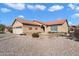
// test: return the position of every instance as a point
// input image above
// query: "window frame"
(19, 27)
(30, 28)
(54, 28)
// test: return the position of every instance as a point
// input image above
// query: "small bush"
(10, 31)
(49, 32)
(35, 35)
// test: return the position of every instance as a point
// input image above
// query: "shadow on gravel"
(2, 32)
(77, 40)
(74, 39)
(74, 36)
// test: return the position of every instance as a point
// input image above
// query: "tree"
(10, 29)
(2, 27)
(43, 27)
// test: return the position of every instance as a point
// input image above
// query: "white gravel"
(43, 46)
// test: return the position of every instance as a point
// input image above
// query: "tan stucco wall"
(48, 28)
(17, 24)
(26, 29)
(61, 28)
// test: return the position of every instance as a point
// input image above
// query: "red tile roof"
(26, 21)
(56, 22)
(38, 22)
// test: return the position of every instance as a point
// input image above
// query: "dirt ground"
(17, 45)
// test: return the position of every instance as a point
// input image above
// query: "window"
(17, 27)
(54, 28)
(30, 28)
(36, 28)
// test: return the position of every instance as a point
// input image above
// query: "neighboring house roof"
(56, 22)
(73, 27)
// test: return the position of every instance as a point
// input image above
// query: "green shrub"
(2, 27)
(49, 32)
(10, 30)
(35, 35)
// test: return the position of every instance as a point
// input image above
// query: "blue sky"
(39, 11)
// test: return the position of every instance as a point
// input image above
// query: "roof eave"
(54, 24)
(30, 24)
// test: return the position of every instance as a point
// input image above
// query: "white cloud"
(18, 6)
(40, 7)
(30, 6)
(55, 8)
(72, 6)
(21, 16)
(36, 7)
(77, 8)
(75, 15)
(5, 10)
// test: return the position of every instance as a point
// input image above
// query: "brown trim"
(13, 22)
(31, 24)
(68, 25)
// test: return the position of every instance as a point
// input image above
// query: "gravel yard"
(27, 46)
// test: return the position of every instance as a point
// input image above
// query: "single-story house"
(21, 26)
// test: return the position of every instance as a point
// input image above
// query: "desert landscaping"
(21, 45)
(39, 29)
